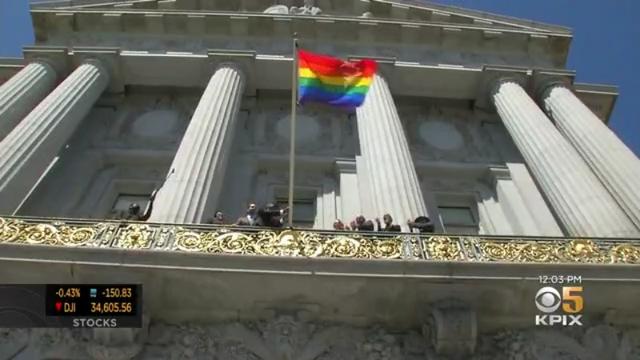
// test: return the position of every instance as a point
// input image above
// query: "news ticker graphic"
(71, 305)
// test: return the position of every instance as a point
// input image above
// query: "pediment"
(401, 10)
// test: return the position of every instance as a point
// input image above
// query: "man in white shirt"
(250, 218)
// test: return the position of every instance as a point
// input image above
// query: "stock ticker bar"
(71, 305)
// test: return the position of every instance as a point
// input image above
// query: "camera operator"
(272, 215)
(422, 223)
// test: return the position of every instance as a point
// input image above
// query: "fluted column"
(615, 165)
(195, 179)
(29, 148)
(392, 175)
(22, 92)
(582, 204)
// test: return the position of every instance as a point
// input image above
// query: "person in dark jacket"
(362, 224)
(134, 209)
(422, 223)
(272, 215)
(388, 224)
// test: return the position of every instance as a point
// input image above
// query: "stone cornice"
(483, 17)
(335, 28)
(599, 98)
(325, 18)
(395, 9)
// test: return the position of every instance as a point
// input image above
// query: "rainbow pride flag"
(332, 81)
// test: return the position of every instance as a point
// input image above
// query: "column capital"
(107, 58)
(386, 65)
(493, 77)
(241, 60)
(544, 80)
(241, 69)
(54, 56)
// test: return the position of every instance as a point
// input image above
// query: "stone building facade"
(472, 120)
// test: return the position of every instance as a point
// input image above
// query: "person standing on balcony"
(218, 218)
(250, 218)
(272, 215)
(362, 224)
(422, 223)
(388, 224)
(339, 225)
(134, 209)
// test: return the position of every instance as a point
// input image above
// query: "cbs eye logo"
(548, 300)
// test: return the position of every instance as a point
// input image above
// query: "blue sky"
(605, 48)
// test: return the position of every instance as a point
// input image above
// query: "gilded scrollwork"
(312, 244)
(134, 236)
(287, 243)
(625, 253)
(581, 250)
(443, 248)
(9, 230)
(557, 251)
(54, 233)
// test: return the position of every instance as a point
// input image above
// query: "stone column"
(22, 92)
(197, 172)
(392, 176)
(615, 165)
(27, 151)
(582, 204)
(348, 205)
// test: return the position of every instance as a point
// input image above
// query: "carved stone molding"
(453, 330)
(313, 132)
(116, 344)
(585, 343)
(290, 336)
(448, 134)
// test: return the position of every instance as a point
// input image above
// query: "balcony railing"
(214, 239)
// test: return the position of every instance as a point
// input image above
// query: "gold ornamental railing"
(215, 239)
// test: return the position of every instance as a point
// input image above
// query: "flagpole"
(294, 100)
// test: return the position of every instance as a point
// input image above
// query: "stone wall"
(127, 142)
(289, 337)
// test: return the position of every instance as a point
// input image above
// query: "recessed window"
(458, 219)
(120, 208)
